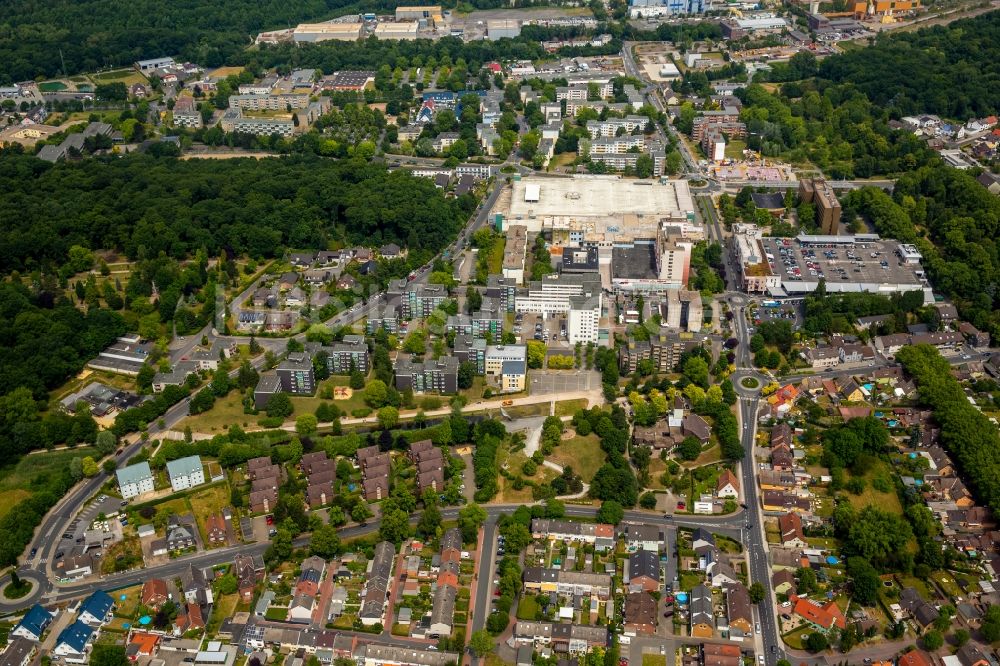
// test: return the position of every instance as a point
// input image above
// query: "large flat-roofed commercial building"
(416, 13)
(234, 121)
(321, 32)
(819, 192)
(598, 210)
(855, 263)
(562, 294)
(398, 30)
(652, 264)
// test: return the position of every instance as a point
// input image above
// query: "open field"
(225, 412)
(126, 76)
(15, 480)
(735, 148)
(886, 501)
(570, 407)
(583, 454)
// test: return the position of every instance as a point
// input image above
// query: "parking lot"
(543, 383)
(534, 327)
(72, 540)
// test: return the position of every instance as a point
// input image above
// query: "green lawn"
(583, 454)
(15, 479)
(796, 639)
(886, 501)
(690, 580)
(654, 660)
(735, 148)
(527, 608)
(570, 407)
(496, 257)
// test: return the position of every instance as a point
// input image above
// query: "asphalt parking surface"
(543, 383)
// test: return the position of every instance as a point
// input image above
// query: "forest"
(142, 206)
(35, 39)
(954, 222)
(952, 71)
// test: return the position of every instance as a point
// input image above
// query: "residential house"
(716, 654)
(820, 616)
(262, 501)
(301, 608)
(722, 574)
(179, 534)
(154, 593)
(196, 584)
(728, 485)
(702, 615)
(640, 614)
(790, 528)
(73, 643)
(701, 539)
(33, 624)
(738, 609)
(185, 473)
(96, 609)
(20, 652)
(922, 612)
(249, 570)
(642, 537)
(215, 527)
(643, 573)
(774, 500)
(189, 618)
(915, 657)
(783, 582)
(311, 576)
(377, 584)
(971, 654)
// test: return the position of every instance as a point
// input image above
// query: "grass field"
(570, 407)
(735, 148)
(583, 454)
(886, 501)
(15, 480)
(126, 607)
(226, 605)
(562, 159)
(126, 76)
(654, 659)
(224, 413)
(527, 608)
(207, 502)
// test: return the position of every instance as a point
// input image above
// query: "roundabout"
(33, 584)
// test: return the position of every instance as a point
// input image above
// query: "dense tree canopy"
(966, 433)
(144, 206)
(948, 70)
(954, 222)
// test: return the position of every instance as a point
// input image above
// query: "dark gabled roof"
(644, 563)
(76, 636)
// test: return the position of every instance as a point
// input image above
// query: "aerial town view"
(527, 333)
